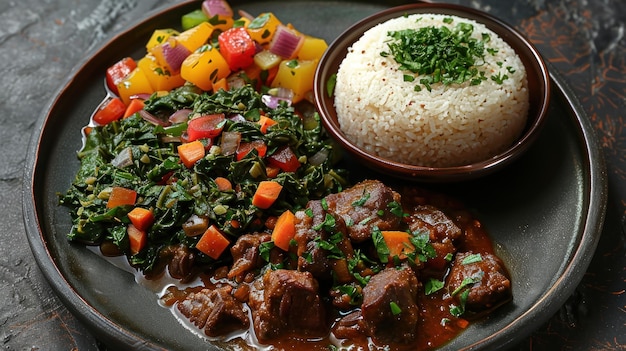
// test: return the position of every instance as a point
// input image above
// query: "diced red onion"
(237, 118)
(140, 96)
(230, 142)
(235, 82)
(123, 159)
(216, 7)
(174, 54)
(180, 116)
(150, 118)
(245, 14)
(282, 92)
(273, 101)
(286, 42)
(319, 157)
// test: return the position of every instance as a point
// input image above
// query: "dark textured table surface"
(42, 41)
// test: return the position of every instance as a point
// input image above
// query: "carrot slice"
(137, 239)
(266, 194)
(121, 196)
(398, 243)
(191, 152)
(141, 218)
(212, 242)
(223, 184)
(284, 230)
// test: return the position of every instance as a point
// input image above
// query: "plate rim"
(113, 334)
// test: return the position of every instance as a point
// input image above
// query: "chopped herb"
(457, 311)
(473, 258)
(380, 213)
(432, 285)
(396, 208)
(264, 250)
(329, 223)
(510, 69)
(260, 21)
(492, 51)
(448, 257)
(381, 247)
(309, 212)
(468, 281)
(292, 63)
(499, 78)
(324, 204)
(395, 309)
(448, 20)
(362, 200)
(408, 78)
(438, 54)
(330, 84)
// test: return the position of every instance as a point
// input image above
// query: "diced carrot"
(284, 230)
(266, 194)
(272, 172)
(137, 239)
(191, 152)
(462, 323)
(398, 243)
(223, 184)
(245, 148)
(221, 84)
(135, 106)
(212, 242)
(111, 110)
(141, 218)
(234, 223)
(265, 122)
(121, 196)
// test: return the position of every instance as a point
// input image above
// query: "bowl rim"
(529, 55)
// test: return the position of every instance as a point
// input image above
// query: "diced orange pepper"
(296, 75)
(141, 218)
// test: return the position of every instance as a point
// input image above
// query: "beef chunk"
(245, 254)
(215, 311)
(287, 301)
(348, 326)
(365, 206)
(381, 321)
(311, 257)
(435, 222)
(491, 286)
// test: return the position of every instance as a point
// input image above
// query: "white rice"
(450, 125)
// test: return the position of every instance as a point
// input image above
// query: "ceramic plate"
(544, 212)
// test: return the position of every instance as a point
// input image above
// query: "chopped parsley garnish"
(473, 258)
(439, 54)
(432, 285)
(381, 247)
(362, 200)
(395, 309)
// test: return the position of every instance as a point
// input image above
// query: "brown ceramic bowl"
(538, 85)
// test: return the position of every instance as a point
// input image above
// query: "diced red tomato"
(245, 148)
(118, 72)
(204, 127)
(285, 159)
(111, 110)
(237, 47)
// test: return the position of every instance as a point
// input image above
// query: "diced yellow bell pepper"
(195, 37)
(135, 83)
(263, 27)
(159, 36)
(312, 48)
(160, 78)
(296, 75)
(222, 23)
(204, 67)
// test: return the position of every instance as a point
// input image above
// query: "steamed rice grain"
(450, 125)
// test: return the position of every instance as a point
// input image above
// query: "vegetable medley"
(205, 138)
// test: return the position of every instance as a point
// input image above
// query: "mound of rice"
(450, 125)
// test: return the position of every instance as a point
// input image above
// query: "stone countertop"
(42, 41)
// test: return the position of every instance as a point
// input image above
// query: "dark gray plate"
(544, 212)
